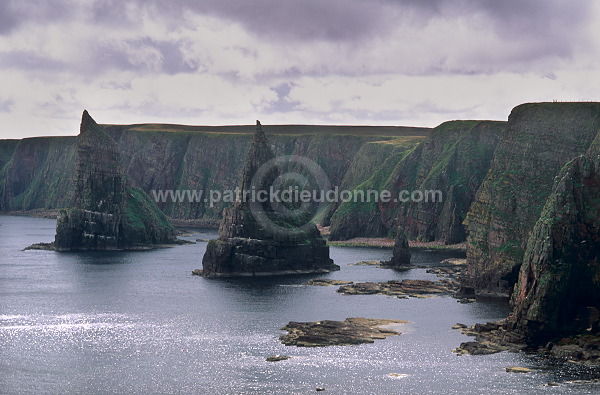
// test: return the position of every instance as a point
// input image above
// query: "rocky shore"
(338, 333)
(493, 337)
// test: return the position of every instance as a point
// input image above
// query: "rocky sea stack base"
(107, 212)
(273, 244)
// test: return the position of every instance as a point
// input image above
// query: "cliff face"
(558, 291)
(38, 173)
(539, 140)
(107, 212)
(453, 160)
(257, 239)
(370, 170)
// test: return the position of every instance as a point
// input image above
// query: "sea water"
(139, 322)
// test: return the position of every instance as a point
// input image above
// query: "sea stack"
(401, 253)
(107, 212)
(260, 238)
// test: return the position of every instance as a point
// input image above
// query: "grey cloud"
(6, 105)
(283, 102)
(13, 13)
(27, 60)
(108, 55)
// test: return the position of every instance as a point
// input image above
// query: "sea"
(139, 322)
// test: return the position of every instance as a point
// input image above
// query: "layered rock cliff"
(539, 140)
(558, 289)
(255, 238)
(38, 173)
(453, 160)
(106, 212)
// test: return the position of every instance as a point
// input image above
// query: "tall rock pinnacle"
(248, 245)
(107, 212)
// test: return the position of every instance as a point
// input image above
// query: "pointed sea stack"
(401, 254)
(256, 240)
(107, 212)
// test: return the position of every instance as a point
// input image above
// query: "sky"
(342, 62)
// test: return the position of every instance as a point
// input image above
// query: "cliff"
(260, 238)
(38, 173)
(453, 160)
(558, 289)
(106, 212)
(539, 140)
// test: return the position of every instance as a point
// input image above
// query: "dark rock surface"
(337, 333)
(493, 337)
(326, 282)
(106, 212)
(277, 358)
(490, 338)
(400, 253)
(402, 288)
(256, 240)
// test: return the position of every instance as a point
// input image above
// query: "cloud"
(415, 62)
(6, 105)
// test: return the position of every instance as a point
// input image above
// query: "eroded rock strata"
(556, 301)
(558, 291)
(337, 333)
(254, 239)
(107, 213)
(405, 287)
(539, 140)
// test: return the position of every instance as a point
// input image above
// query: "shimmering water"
(138, 322)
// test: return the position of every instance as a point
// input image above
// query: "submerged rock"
(277, 358)
(337, 333)
(107, 212)
(518, 369)
(260, 238)
(326, 282)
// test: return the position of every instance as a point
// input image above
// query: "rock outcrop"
(255, 239)
(539, 140)
(338, 333)
(401, 253)
(107, 213)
